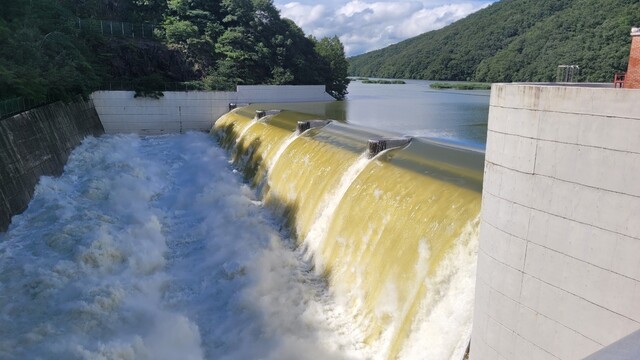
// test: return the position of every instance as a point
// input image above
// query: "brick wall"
(632, 80)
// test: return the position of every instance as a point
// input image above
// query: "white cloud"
(364, 26)
(301, 14)
(430, 19)
(378, 10)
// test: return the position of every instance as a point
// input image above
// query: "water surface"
(152, 248)
(412, 109)
(417, 110)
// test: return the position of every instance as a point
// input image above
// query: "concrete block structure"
(179, 111)
(559, 261)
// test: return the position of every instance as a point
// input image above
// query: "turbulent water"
(395, 234)
(153, 248)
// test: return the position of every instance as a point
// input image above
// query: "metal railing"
(10, 107)
(567, 73)
(117, 28)
(165, 86)
(618, 79)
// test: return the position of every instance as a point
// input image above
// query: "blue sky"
(365, 25)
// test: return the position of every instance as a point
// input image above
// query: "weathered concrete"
(177, 112)
(38, 142)
(558, 266)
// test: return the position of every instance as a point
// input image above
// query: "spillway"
(395, 236)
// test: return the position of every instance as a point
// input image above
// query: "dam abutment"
(37, 143)
(558, 273)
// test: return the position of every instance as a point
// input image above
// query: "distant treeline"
(217, 44)
(514, 40)
(379, 81)
(461, 86)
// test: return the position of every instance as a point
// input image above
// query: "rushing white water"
(152, 248)
(285, 144)
(317, 233)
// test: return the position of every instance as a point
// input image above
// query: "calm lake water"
(412, 109)
(417, 110)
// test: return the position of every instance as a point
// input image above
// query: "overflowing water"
(395, 236)
(153, 248)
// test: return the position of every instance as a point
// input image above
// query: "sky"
(365, 25)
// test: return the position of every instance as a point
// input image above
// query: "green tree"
(332, 52)
(41, 57)
(179, 32)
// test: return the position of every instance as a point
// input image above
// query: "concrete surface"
(179, 111)
(38, 142)
(559, 260)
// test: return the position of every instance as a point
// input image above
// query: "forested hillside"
(515, 40)
(48, 51)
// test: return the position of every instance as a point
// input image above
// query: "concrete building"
(559, 261)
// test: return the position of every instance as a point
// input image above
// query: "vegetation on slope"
(40, 57)
(514, 40)
(217, 44)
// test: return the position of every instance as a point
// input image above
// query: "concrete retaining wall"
(177, 112)
(559, 260)
(38, 142)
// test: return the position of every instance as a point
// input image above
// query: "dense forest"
(50, 51)
(515, 40)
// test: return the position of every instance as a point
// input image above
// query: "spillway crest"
(394, 234)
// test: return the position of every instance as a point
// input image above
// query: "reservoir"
(411, 109)
(415, 109)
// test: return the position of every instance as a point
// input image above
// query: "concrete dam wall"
(181, 111)
(36, 143)
(394, 234)
(558, 269)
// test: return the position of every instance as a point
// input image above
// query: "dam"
(355, 218)
(288, 237)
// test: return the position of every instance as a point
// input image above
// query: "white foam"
(152, 248)
(317, 234)
(442, 328)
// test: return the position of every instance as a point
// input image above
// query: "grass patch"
(368, 81)
(461, 86)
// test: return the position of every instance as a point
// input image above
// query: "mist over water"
(153, 248)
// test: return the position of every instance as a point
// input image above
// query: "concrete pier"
(559, 260)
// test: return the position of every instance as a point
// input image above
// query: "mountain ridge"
(514, 40)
